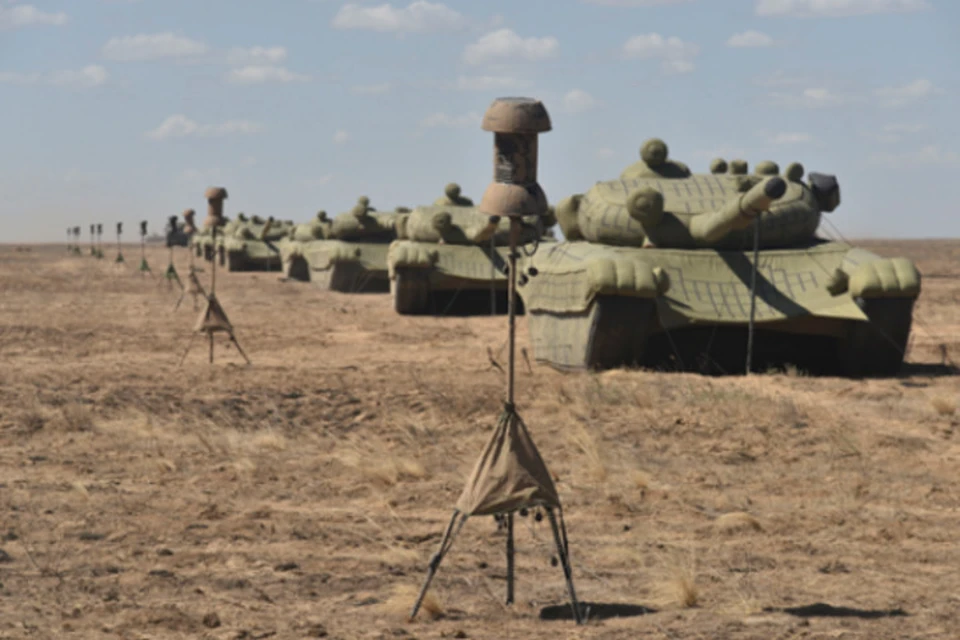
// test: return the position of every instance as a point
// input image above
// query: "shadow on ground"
(595, 611)
(822, 610)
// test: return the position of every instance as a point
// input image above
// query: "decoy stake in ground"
(511, 475)
(213, 318)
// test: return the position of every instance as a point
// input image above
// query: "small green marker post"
(119, 259)
(144, 265)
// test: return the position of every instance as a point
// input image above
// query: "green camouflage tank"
(251, 244)
(348, 253)
(451, 259)
(657, 266)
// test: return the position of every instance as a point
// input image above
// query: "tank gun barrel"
(266, 228)
(738, 213)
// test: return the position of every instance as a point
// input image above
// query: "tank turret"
(709, 210)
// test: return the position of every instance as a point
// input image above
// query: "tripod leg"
(510, 558)
(210, 333)
(185, 351)
(445, 543)
(233, 339)
(565, 563)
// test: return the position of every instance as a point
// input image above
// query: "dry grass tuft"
(943, 406)
(75, 417)
(676, 584)
(398, 556)
(378, 465)
(737, 521)
(595, 465)
(33, 417)
(401, 601)
(640, 479)
(269, 439)
(81, 490)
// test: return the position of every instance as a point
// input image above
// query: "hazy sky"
(122, 110)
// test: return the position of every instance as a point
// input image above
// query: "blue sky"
(123, 110)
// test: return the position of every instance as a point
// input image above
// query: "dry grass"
(593, 464)
(305, 494)
(737, 521)
(378, 464)
(404, 596)
(675, 583)
(943, 406)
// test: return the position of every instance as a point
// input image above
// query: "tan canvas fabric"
(213, 318)
(509, 475)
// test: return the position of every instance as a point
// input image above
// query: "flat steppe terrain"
(304, 495)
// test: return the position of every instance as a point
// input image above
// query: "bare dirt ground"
(303, 496)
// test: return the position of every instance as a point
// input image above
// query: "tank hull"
(252, 255)
(338, 265)
(825, 307)
(447, 279)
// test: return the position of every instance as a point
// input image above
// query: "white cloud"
(418, 16)
(260, 74)
(836, 8)
(505, 45)
(319, 181)
(928, 156)
(340, 137)
(256, 55)
(675, 55)
(152, 47)
(895, 132)
(578, 101)
(486, 83)
(905, 94)
(605, 152)
(633, 3)
(750, 39)
(27, 15)
(90, 76)
(780, 78)
(180, 126)
(372, 89)
(790, 138)
(443, 120)
(811, 98)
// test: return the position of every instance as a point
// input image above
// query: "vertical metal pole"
(753, 292)
(493, 275)
(211, 346)
(213, 267)
(512, 307)
(510, 558)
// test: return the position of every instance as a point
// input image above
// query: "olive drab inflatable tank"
(657, 269)
(451, 259)
(250, 243)
(347, 253)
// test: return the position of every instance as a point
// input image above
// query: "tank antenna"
(753, 292)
